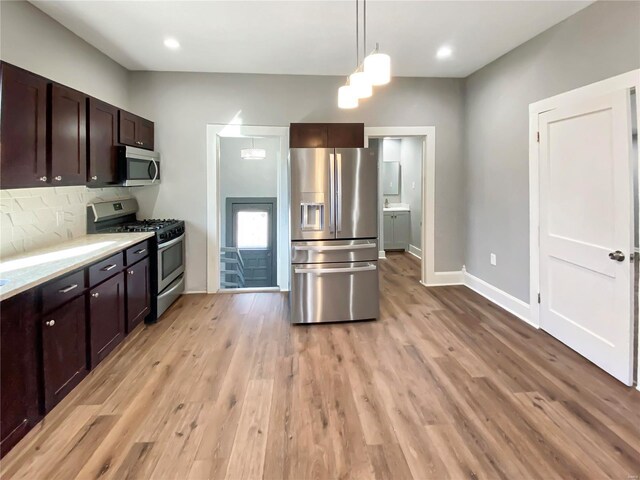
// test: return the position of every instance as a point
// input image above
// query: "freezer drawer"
(334, 251)
(334, 292)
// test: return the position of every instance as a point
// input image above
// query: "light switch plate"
(493, 259)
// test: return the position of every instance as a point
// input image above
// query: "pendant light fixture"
(253, 153)
(374, 70)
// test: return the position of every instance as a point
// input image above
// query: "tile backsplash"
(31, 218)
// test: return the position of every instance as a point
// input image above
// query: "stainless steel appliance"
(119, 216)
(334, 230)
(138, 167)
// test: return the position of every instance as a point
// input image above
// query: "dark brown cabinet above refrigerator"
(326, 135)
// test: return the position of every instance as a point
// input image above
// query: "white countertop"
(30, 269)
(397, 207)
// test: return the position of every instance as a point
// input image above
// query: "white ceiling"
(306, 37)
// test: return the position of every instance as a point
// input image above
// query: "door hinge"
(538, 137)
(538, 298)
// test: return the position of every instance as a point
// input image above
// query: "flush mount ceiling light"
(171, 43)
(253, 153)
(444, 51)
(374, 70)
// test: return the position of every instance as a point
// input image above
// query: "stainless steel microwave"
(138, 167)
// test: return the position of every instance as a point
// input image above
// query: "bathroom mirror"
(391, 178)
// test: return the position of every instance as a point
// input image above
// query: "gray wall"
(34, 41)
(182, 104)
(246, 178)
(598, 42)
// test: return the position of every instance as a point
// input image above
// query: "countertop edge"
(83, 263)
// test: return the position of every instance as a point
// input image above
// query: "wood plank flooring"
(445, 385)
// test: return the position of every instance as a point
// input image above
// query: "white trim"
(501, 298)
(624, 81)
(382, 254)
(443, 279)
(194, 292)
(429, 275)
(415, 251)
(214, 133)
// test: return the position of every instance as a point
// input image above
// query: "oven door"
(170, 261)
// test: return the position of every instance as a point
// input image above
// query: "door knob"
(43, 179)
(95, 177)
(50, 323)
(618, 256)
(58, 178)
(131, 272)
(95, 295)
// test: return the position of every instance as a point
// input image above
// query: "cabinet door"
(401, 230)
(145, 133)
(345, 135)
(103, 140)
(19, 410)
(308, 135)
(68, 136)
(106, 317)
(128, 128)
(64, 350)
(387, 231)
(23, 128)
(138, 293)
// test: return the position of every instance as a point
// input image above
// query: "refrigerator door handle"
(320, 271)
(332, 193)
(339, 193)
(323, 248)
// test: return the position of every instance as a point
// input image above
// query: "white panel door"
(586, 216)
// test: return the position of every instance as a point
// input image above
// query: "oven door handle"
(162, 246)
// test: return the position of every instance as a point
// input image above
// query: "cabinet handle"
(43, 179)
(95, 295)
(131, 272)
(109, 267)
(95, 177)
(50, 323)
(68, 289)
(58, 178)
(140, 252)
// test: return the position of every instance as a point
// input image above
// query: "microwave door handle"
(155, 175)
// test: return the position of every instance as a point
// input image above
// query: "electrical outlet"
(493, 259)
(413, 185)
(59, 217)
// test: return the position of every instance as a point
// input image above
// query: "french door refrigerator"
(334, 230)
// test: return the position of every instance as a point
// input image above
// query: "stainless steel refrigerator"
(334, 235)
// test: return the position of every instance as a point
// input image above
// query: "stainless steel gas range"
(119, 216)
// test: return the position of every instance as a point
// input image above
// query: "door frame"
(235, 129)
(273, 224)
(429, 277)
(625, 81)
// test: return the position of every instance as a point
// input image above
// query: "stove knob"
(163, 236)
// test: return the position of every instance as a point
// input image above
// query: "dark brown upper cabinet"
(103, 140)
(326, 135)
(23, 128)
(19, 369)
(136, 131)
(67, 144)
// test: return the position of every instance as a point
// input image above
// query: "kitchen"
(233, 361)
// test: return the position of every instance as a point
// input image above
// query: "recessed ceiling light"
(171, 43)
(444, 52)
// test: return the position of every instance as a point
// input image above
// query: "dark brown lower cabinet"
(138, 293)
(64, 350)
(106, 317)
(18, 369)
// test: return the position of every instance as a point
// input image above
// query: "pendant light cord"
(357, 37)
(364, 37)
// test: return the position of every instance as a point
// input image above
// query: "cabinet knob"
(43, 179)
(131, 272)
(95, 295)
(58, 178)
(50, 323)
(94, 178)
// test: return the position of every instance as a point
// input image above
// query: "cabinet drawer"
(106, 268)
(58, 291)
(137, 252)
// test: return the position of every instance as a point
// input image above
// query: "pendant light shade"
(346, 97)
(253, 153)
(377, 67)
(361, 84)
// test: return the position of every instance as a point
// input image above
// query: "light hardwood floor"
(445, 385)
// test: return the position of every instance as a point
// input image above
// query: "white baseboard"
(382, 254)
(442, 279)
(415, 251)
(510, 303)
(194, 292)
